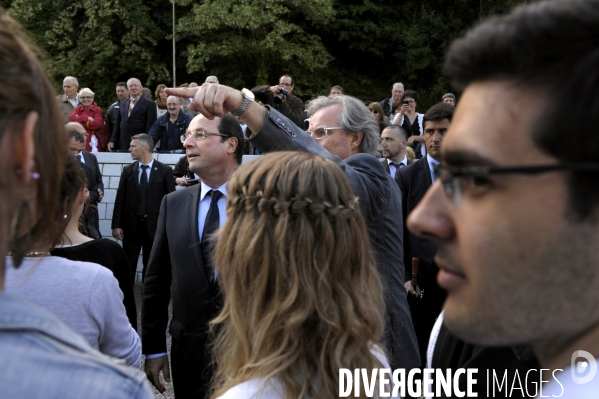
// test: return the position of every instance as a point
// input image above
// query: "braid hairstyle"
(302, 297)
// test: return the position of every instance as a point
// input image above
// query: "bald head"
(76, 126)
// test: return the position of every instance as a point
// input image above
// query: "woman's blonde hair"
(86, 90)
(302, 297)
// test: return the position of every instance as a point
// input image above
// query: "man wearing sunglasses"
(181, 263)
(514, 210)
(342, 130)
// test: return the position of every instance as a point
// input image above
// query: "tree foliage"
(362, 45)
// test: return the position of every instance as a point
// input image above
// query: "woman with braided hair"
(302, 297)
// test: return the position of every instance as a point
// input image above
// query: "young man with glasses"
(181, 263)
(514, 210)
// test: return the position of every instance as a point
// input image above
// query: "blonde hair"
(86, 90)
(410, 154)
(302, 297)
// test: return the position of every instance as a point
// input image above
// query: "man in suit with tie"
(136, 115)
(141, 188)
(181, 264)
(90, 166)
(413, 181)
(394, 141)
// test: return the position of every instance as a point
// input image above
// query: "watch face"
(248, 93)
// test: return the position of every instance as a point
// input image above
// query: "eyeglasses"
(200, 134)
(322, 131)
(454, 180)
(85, 98)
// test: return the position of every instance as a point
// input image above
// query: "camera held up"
(278, 99)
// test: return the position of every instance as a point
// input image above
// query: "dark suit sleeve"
(98, 184)
(153, 133)
(157, 289)
(117, 221)
(263, 95)
(151, 115)
(116, 130)
(403, 183)
(169, 180)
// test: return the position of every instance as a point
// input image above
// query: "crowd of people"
(364, 236)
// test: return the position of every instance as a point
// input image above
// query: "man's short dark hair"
(145, 139)
(448, 95)
(230, 126)
(438, 112)
(403, 135)
(73, 134)
(556, 56)
(411, 94)
(122, 84)
(287, 76)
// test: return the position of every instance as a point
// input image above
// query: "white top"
(274, 389)
(84, 296)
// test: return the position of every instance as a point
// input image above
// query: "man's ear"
(24, 147)
(232, 144)
(355, 140)
(404, 144)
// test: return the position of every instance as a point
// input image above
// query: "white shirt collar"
(149, 164)
(205, 188)
(404, 160)
(431, 163)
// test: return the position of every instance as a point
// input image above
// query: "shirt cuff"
(155, 355)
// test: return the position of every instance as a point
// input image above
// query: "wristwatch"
(248, 98)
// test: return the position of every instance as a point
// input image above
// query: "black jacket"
(142, 117)
(292, 108)
(159, 130)
(161, 182)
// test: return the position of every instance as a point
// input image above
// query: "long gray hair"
(355, 117)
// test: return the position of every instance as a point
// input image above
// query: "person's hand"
(404, 108)
(412, 139)
(89, 118)
(275, 89)
(181, 181)
(100, 194)
(153, 367)
(210, 99)
(411, 289)
(118, 234)
(110, 146)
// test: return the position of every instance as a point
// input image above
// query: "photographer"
(280, 98)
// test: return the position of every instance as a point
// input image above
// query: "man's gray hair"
(73, 79)
(354, 117)
(145, 140)
(398, 84)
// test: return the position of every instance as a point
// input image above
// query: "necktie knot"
(143, 167)
(397, 165)
(215, 195)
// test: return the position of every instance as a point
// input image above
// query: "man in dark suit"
(93, 176)
(136, 115)
(413, 182)
(181, 263)
(394, 141)
(113, 111)
(141, 188)
(352, 148)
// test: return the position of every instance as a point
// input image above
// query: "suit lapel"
(135, 173)
(136, 107)
(194, 234)
(153, 173)
(427, 171)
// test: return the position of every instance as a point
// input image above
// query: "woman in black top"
(75, 246)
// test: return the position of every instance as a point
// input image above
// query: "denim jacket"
(42, 358)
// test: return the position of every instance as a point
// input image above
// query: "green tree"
(253, 42)
(98, 41)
